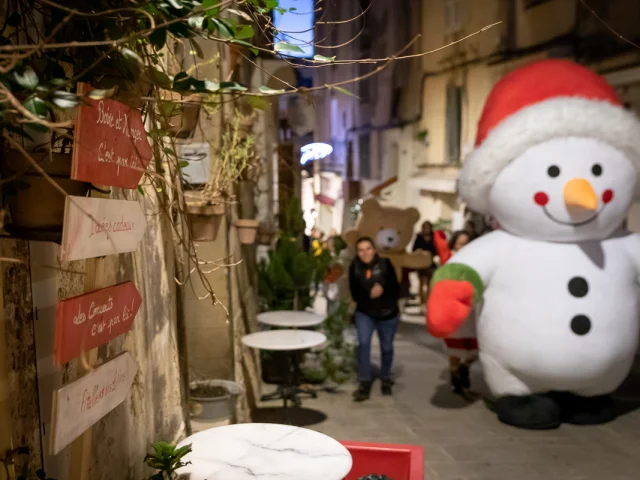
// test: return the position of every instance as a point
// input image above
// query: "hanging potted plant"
(206, 207)
(247, 230)
(35, 205)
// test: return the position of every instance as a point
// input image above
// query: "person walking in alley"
(424, 241)
(375, 289)
(462, 346)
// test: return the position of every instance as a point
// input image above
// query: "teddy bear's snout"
(387, 239)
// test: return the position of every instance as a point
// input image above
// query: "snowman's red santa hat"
(538, 102)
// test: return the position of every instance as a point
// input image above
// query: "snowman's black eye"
(596, 170)
(553, 171)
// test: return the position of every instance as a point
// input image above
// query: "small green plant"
(336, 362)
(166, 459)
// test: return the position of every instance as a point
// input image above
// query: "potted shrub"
(213, 399)
(206, 206)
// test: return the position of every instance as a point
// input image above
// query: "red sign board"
(93, 319)
(110, 145)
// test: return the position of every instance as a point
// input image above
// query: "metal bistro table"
(291, 319)
(287, 342)
(255, 450)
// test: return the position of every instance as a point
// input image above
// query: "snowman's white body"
(524, 324)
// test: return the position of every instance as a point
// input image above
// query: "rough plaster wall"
(19, 351)
(153, 411)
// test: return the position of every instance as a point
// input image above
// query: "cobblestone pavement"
(465, 441)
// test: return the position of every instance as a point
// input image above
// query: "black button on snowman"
(580, 324)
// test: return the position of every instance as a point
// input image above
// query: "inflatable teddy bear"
(556, 293)
(391, 229)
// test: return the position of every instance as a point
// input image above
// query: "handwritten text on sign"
(110, 145)
(93, 319)
(79, 405)
(94, 227)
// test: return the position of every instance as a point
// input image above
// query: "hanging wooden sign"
(79, 405)
(94, 227)
(110, 145)
(93, 319)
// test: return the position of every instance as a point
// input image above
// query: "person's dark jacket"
(423, 244)
(362, 278)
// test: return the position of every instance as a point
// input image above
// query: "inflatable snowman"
(556, 164)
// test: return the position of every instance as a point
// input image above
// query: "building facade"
(440, 97)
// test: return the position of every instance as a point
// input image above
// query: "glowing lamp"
(314, 151)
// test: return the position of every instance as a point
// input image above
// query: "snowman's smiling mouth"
(571, 224)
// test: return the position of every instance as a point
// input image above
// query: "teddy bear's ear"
(370, 206)
(351, 237)
(413, 214)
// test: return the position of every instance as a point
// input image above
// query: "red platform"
(399, 462)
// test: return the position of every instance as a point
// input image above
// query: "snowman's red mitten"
(448, 306)
(442, 246)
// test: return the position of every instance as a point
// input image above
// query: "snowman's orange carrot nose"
(578, 192)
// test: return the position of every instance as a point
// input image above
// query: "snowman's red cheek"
(541, 198)
(607, 196)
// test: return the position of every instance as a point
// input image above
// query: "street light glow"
(314, 151)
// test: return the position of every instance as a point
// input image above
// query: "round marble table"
(287, 343)
(284, 340)
(290, 318)
(255, 450)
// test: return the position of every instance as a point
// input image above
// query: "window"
(364, 156)
(452, 16)
(454, 123)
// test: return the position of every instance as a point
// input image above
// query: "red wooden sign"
(93, 319)
(110, 145)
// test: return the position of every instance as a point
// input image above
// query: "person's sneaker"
(456, 383)
(463, 374)
(363, 392)
(387, 387)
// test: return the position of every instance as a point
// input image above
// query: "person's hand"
(449, 305)
(377, 291)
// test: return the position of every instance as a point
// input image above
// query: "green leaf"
(175, 3)
(168, 108)
(196, 21)
(323, 59)
(287, 47)
(198, 51)
(233, 86)
(245, 31)
(211, 86)
(246, 44)
(240, 14)
(158, 38)
(271, 4)
(157, 133)
(99, 94)
(183, 163)
(159, 78)
(132, 56)
(26, 78)
(270, 91)
(140, 190)
(259, 103)
(65, 99)
(37, 106)
(208, 7)
(343, 91)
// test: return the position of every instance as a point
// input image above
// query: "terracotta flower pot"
(35, 205)
(205, 221)
(247, 231)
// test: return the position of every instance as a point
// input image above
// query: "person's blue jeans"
(386, 329)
